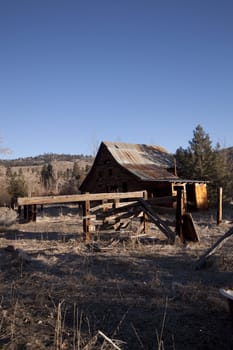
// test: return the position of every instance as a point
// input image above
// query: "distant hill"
(45, 158)
(68, 173)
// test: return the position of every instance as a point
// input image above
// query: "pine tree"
(47, 175)
(200, 161)
(16, 187)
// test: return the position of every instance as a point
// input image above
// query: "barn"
(124, 167)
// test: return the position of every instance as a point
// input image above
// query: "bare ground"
(57, 292)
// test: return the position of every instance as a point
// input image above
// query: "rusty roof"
(148, 162)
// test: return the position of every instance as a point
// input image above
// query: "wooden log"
(189, 232)
(157, 221)
(121, 209)
(179, 211)
(34, 212)
(25, 212)
(86, 220)
(145, 216)
(217, 245)
(79, 198)
(109, 206)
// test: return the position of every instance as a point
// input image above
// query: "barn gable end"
(123, 167)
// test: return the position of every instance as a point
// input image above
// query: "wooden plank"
(157, 221)
(201, 196)
(86, 222)
(179, 211)
(109, 206)
(79, 198)
(189, 231)
(126, 208)
(217, 245)
(123, 223)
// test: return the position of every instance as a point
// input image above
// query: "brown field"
(57, 292)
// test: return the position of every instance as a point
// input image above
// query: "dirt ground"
(57, 292)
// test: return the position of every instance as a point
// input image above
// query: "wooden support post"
(179, 210)
(19, 211)
(145, 216)
(86, 221)
(25, 212)
(105, 208)
(34, 212)
(115, 203)
(30, 212)
(42, 210)
(219, 210)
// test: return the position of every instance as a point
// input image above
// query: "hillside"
(68, 171)
(58, 292)
(46, 158)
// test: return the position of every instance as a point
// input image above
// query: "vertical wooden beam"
(34, 212)
(25, 212)
(30, 212)
(145, 216)
(19, 211)
(86, 221)
(104, 208)
(42, 210)
(115, 203)
(219, 209)
(179, 211)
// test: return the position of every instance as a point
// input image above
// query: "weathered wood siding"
(109, 176)
(201, 196)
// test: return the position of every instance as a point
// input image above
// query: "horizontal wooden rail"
(79, 198)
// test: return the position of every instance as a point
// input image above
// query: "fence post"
(145, 216)
(25, 212)
(179, 210)
(86, 220)
(219, 210)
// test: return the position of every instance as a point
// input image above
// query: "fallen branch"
(109, 340)
(158, 222)
(217, 245)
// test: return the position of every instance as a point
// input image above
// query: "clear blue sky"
(77, 72)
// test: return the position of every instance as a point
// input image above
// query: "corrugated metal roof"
(148, 162)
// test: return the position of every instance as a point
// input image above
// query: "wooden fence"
(116, 209)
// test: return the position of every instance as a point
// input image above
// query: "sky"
(74, 73)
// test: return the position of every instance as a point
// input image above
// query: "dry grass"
(57, 293)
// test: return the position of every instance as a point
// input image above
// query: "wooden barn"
(123, 167)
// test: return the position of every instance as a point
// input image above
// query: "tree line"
(199, 161)
(203, 161)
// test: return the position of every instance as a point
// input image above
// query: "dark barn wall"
(107, 175)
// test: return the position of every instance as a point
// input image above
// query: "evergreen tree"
(76, 173)
(200, 161)
(16, 187)
(47, 175)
